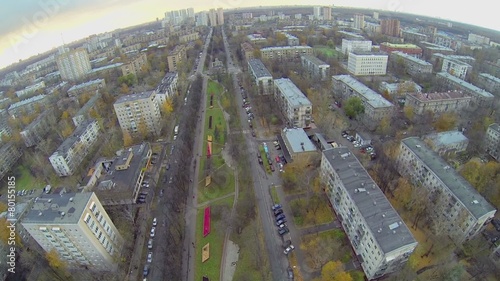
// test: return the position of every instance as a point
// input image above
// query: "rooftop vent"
(475, 202)
(71, 199)
(62, 214)
(418, 146)
(50, 200)
(394, 226)
(40, 213)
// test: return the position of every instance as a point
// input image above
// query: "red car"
(278, 159)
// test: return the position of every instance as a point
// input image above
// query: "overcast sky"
(28, 27)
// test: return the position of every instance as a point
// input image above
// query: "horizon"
(44, 32)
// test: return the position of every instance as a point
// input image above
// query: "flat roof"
(285, 48)
(402, 46)
(89, 104)
(366, 53)
(494, 127)
(298, 140)
(134, 97)
(384, 223)
(258, 68)
(462, 189)
(447, 138)
(450, 95)
(74, 137)
(490, 77)
(167, 80)
(412, 58)
(465, 85)
(27, 101)
(294, 95)
(86, 84)
(369, 95)
(49, 208)
(106, 67)
(354, 35)
(456, 61)
(315, 60)
(433, 46)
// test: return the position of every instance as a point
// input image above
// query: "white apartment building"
(73, 65)
(452, 101)
(262, 77)
(294, 105)
(77, 227)
(30, 89)
(376, 106)
(377, 233)
(478, 39)
(68, 156)
(413, 65)
(448, 142)
(489, 83)
(289, 53)
(460, 208)
(138, 110)
(355, 45)
(359, 21)
(291, 40)
(89, 86)
(455, 67)
(492, 141)
(167, 87)
(450, 82)
(27, 106)
(316, 67)
(367, 63)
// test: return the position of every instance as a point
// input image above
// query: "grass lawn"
(304, 215)
(215, 190)
(24, 179)
(329, 52)
(214, 88)
(211, 267)
(274, 195)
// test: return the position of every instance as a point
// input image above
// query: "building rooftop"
(457, 61)
(165, 83)
(27, 101)
(447, 138)
(74, 137)
(315, 60)
(465, 85)
(176, 50)
(247, 47)
(413, 32)
(86, 84)
(382, 220)
(365, 53)
(494, 127)
(350, 34)
(285, 48)
(106, 67)
(294, 95)
(66, 208)
(370, 96)
(400, 46)
(461, 188)
(37, 120)
(258, 68)
(298, 140)
(134, 97)
(411, 58)
(450, 95)
(433, 46)
(490, 77)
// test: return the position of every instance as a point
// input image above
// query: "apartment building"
(289, 53)
(5, 129)
(36, 131)
(10, 154)
(478, 39)
(429, 49)
(456, 67)
(85, 112)
(390, 27)
(247, 51)
(437, 103)
(177, 55)
(367, 63)
(315, 67)
(167, 87)
(31, 89)
(378, 235)
(457, 206)
(136, 110)
(409, 49)
(89, 86)
(189, 37)
(135, 65)
(294, 105)
(27, 106)
(70, 154)
(492, 141)
(73, 65)
(291, 40)
(413, 65)
(449, 82)
(359, 21)
(376, 106)
(262, 77)
(445, 143)
(77, 226)
(489, 83)
(413, 36)
(356, 45)
(400, 89)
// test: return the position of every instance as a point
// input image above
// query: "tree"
(409, 112)
(334, 270)
(124, 89)
(445, 122)
(168, 106)
(256, 53)
(127, 139)
(353, 107)
(54, 260)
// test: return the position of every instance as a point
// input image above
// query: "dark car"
(272, 168)
(280, 217)
(496, 224)
(280, 222)
(145, 272)
(278, 212)
(276, 206)
(283, 231)
(289, 272)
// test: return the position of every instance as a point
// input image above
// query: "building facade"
(359, 21)
(73, 65)
(456, 67)
(10, 154)
(262, 77)
(413, 65)
(492, 141)
(356, 45)
(167, 88)
(294, 105)
(445, 143)
(138, 113)
(288, 53)
(86, 112)
(437, 103)
(376, 106)
(315, 67)
(489, 83)
(36, 131)
(459, 209)
(70, 154)
(90, 86)
(247, 51)
(409, 49)
(189, 37)
(135, 65)
(375, 230)
(367, 63)
(27, 106)
(479, 96)
(177, 55)
(478, 39)
(390, 27)
(77, 226)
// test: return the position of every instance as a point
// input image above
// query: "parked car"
(155, 222)
(150, 257)
(272, 167)
(289, 249)
(287, 243)
(278, 160)
(276, 207)
(145, 272)
(282, 225)
(280, 222)
(283, 231)
(150, 243)
(280, 217)
(289, 272)
(152, 233)
(278, 212)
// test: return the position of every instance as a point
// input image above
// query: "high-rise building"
(212, 17)
(317, 12)
(359, 21)
(202, 19)
(327, 13)
(390, 27)
(73, 65)
(220, 16)
(138, 113)
(77, 227)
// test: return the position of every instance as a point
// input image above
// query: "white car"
(155, 221)
(150, 257)
(150, 244)
(153, 230)
(289, 249)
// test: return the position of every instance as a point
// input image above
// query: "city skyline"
(32, 28)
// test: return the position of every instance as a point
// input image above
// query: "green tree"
(445, 122)
(353, 107)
